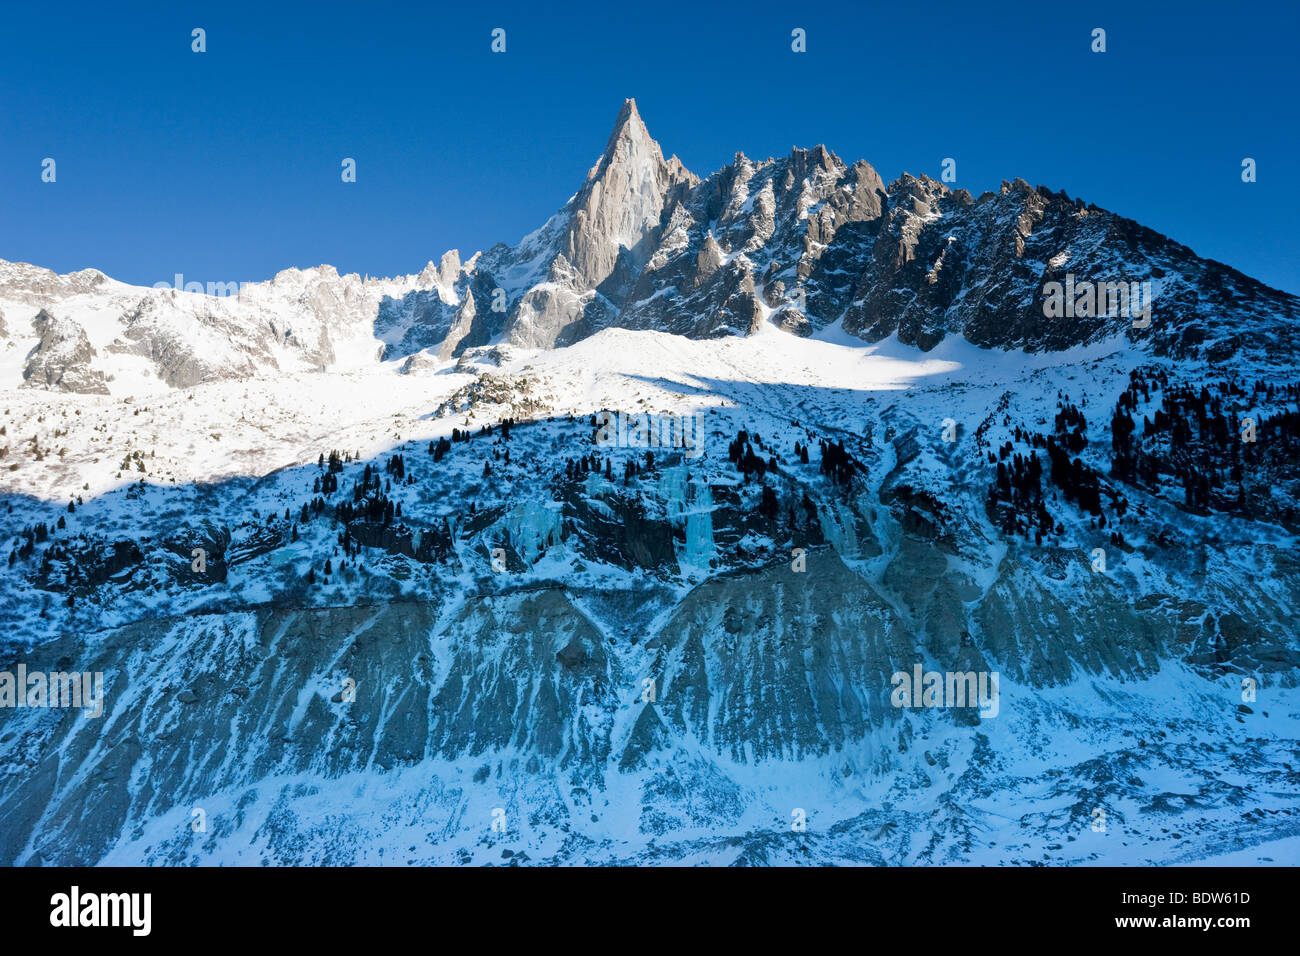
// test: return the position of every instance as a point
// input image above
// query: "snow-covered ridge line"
(803, 243)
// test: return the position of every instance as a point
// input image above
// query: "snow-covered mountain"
(370, 579)
(804, 242)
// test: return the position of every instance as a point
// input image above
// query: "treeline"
(1210, 440)
(740, 452)
(1017, 500)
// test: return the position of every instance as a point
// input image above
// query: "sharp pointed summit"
(630, 139)
(629, 132)
(585, 260)
(622, 201)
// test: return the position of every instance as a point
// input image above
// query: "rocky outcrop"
(62, 359)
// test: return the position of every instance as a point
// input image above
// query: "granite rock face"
(62, 358)
(804, 241)
(535, 701)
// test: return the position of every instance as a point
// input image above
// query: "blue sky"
(225, 165)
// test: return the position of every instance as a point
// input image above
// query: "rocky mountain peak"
(628, 137)
(805, 239)
(621, 203)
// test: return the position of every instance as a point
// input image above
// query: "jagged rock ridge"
(804, 241)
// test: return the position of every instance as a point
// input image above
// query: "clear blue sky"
(225, 165)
